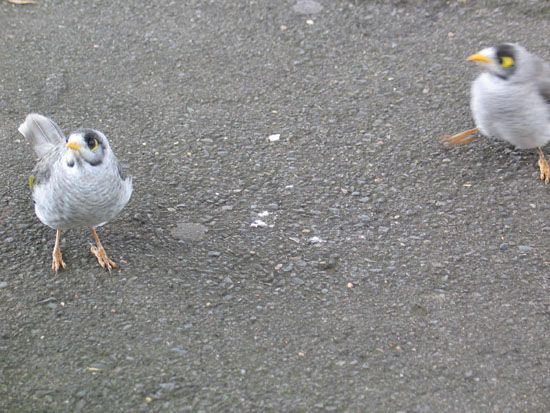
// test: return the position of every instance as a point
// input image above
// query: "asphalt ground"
(354, 264)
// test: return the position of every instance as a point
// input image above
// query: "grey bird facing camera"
(510, 100)
(77, 182)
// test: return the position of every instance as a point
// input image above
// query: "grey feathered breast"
(68, 191)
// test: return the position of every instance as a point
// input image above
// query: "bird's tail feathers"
(42, 132)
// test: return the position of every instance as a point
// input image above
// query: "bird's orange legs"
(462, 138)
(57, 261)
(100, 254)
(543, 167)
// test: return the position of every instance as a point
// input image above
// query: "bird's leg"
(100, 254)
(543, 167)
(57, 261)
(462, 138)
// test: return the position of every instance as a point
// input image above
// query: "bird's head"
(88, 145)
(502, 60)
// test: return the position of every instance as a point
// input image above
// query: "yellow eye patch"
(92, 143)
(506, 62)
(31, 181)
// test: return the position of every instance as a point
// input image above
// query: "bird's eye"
(506, 62)
(92, 143)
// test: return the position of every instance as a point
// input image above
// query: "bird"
(510, 100)
(76, 183)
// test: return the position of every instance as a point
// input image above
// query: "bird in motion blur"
(510, 100)
(76, 183)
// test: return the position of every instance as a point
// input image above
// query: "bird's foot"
(544, 168)
(462, 138)
(102, 258)
(57, 261)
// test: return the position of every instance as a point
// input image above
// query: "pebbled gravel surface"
(350, 263)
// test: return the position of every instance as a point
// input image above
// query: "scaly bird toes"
(544, 170)
(102, 258)
(57, 262)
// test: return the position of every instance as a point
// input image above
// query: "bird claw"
(105, 262)
(57, 261)
(544, 170)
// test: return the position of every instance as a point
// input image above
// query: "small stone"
(383, 230)
(503, 247)
(214, 253)
(307, 7)
(418, 310)
(168, 386)
(524, 249)
(365, 218)
(3, 284)
(258, 223)
(297, 281)
(189, 231)
(179, 350)
(227, 282)
(364, 199)
(329, 263)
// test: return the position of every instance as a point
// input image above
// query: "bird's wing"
(43, 133)
(43, 169)
(120, 171)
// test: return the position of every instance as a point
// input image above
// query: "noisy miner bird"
(511, 100)
(77, 182)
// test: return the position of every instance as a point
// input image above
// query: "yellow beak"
(478, 57)
(73, 145)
